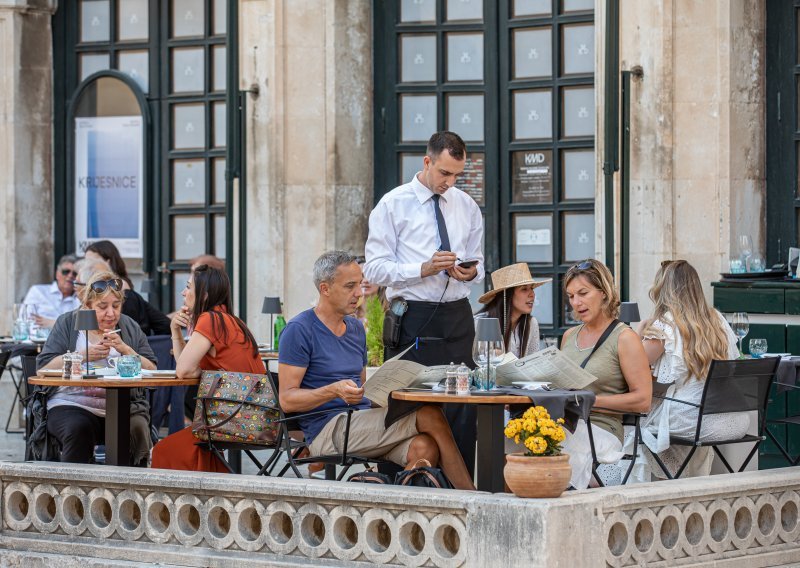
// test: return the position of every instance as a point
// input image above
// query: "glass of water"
(758, 347)
(740, 324)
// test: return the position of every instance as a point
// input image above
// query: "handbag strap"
(611, 327)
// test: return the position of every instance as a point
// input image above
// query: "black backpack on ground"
(423, 475)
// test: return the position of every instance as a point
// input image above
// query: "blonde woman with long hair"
(681, 339)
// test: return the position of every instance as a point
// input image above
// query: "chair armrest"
(677, 400)
(290, 417)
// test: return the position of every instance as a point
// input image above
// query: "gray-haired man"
(57, 298)
(322, 358)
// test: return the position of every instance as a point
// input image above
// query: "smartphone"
(467, 263)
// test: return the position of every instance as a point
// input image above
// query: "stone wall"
(65, 515)
(309, 133)
(697, 132)
(26, 236)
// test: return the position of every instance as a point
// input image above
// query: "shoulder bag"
(235, 407)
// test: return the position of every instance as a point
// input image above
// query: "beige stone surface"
(697, 156)
(25, 149)
(310, 141)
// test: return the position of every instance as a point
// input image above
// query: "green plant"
(373, 310)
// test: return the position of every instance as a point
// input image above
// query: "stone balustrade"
(69, 515)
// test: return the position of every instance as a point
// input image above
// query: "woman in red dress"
(219, 341)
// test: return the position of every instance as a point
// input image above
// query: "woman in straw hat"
(511, 301)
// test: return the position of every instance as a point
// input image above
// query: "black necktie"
(440, 223)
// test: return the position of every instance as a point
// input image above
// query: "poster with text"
(109, 193)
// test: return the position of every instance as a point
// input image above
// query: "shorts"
(368, 436)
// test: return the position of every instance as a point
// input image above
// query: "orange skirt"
(180, 451)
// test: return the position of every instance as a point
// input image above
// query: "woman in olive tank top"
(624, 382)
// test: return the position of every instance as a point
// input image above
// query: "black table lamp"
(86, 321)
(271, 306)
(629, 312)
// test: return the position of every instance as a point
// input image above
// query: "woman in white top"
(681, 339)
(511, 301)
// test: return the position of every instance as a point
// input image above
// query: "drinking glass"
(31, 312)
(758, 347)
(740, 324)
(736, 266)
(487, 355)
(549, 342)
(757, 263)
(745, 250)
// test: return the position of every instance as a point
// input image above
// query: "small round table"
(118, 403)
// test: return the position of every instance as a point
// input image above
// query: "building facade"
(624, 130)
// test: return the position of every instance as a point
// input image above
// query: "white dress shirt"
(403, 234)
(50, 302)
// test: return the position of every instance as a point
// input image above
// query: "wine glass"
(745, 250)
(740, 324)
(488, 354)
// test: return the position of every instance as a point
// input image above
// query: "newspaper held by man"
(396, 374)
(548, 365)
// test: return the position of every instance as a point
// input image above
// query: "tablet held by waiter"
(424, 245)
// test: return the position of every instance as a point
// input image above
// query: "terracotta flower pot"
(537, 476)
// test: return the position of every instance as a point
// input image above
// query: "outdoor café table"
(118, 402)
(491, 440)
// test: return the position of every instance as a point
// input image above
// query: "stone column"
(309, 134)
(26, 99)
(697, 133)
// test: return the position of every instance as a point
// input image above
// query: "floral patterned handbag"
(235, 407)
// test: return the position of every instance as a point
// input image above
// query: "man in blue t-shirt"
(322, 366)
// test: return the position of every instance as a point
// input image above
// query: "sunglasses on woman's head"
(68, 272)
(102, 285)
(586, 264)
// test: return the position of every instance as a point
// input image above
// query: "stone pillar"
(26, 99)
(697, 133)
(309, 133)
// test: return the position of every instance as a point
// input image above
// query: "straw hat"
(510, 277)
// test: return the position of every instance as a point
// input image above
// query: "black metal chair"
(788, 421)
(740, 385)
(290, 448)
(19, 393)
(36, 417)
(628, 419)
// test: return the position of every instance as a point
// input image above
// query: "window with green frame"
(176, 52)
(515, 78)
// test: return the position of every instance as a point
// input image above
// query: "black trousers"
(443, 333)
(79, 431)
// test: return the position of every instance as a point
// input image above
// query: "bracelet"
(177, 339)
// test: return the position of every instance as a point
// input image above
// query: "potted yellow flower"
(542, 470)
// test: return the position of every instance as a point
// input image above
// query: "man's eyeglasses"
(102, 285)
(69, 272)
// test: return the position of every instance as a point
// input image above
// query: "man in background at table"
(57, 298)
(419, 235)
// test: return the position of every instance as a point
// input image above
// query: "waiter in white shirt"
(57, 298)
(424, 245)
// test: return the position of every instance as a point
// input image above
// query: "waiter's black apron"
(447, 337)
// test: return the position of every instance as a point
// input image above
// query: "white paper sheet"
(548, 365)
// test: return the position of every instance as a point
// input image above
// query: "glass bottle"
(280, 323)
(462, 380)
(450, 379)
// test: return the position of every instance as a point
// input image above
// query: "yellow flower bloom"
(536, 444)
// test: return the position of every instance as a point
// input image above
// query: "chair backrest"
(740, 385)
(162, 348)
(28, 366)
(4, 357)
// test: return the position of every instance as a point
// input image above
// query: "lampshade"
(488, 329)
(86, 320)
(148, 286)
(271, 306)
(628, 312)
